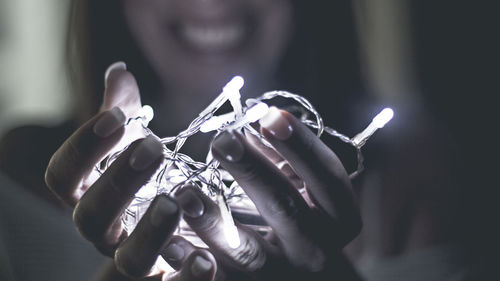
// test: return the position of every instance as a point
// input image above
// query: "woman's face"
(197, 45)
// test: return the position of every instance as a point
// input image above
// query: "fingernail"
(109, 122)
(228, 146)
(115, 66)
(147, 152)
(200, 266)
(174, 252)
(163, 209)
(276, 124)
(190, 203)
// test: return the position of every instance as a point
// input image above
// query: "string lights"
(178, 169)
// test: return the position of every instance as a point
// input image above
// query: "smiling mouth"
(215, 38)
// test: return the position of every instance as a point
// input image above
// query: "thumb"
(121, 90)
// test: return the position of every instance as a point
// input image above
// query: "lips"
(214, 37)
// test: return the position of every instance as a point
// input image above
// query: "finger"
(204, 217)
(136, 256)
(108, 272)
(199, 266)
(69, 172)
(176, 252)
(327, 181)
(279, 203)
(276, 159)
(98, 212)
(69, 168)
(121, 90)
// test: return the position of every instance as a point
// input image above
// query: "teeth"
(213, 38)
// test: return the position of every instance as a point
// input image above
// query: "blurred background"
(405, 46)
(33, 85)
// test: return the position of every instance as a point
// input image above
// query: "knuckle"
(128, 266)
(105, 249)
(250, 255)
(283, 206)
(246, 172)
(82, 222)
(57, 177)
(209, 222)
(85, 222)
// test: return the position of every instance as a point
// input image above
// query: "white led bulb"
(378, 122)
(216, 122)
(383, 117)
(256, 112)
(230, 230)
(231, 92)
(235, 84)
(147, 113)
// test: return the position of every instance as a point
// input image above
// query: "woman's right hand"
(100, 201)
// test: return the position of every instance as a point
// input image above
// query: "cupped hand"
(99, 201)
(308, 232)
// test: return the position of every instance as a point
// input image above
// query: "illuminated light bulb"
(229, 228)
(383, 117)
(235, 84)
(256, 112)
(148, 113)
(217, 122)
(378, 122)
(179, 168)
(231, 92)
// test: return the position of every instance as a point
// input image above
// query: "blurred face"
(195, 46)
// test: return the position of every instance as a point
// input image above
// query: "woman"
(173, 48)
(190, 41)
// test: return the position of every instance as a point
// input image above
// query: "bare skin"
(306, 240)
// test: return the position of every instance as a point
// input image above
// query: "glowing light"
(229, 228)
(148, 113)
(256, 112)
(383, 117)
(180, 168)
(216, 122)
(230, 92)
(378, 122)
(233, 92)
(235, 84)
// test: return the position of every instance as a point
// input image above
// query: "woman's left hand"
(307, 235)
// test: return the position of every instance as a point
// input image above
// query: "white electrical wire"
(179, 169)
